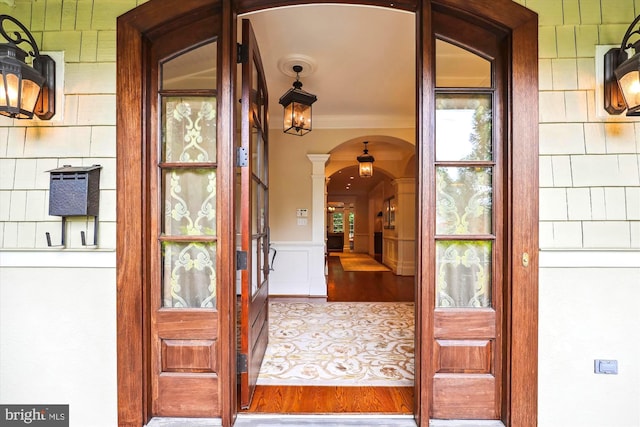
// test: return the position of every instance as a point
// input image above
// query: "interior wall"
(288, 164)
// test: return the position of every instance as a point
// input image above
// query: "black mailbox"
(74, 191)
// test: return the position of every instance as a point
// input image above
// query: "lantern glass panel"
(630, 87)
(13, 83)
(297, 118)
(366, 169)
(3, 98)
(30, 92)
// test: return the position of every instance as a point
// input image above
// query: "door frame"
(521, 325)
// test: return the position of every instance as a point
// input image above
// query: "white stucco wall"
(58, 333)
(589, 312)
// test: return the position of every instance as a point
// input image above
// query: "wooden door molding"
(133, 31)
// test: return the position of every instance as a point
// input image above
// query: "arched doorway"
(384, 204)
(516, 28)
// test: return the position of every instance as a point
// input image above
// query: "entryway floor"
(271, 420)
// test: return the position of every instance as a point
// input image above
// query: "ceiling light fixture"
(25, 90)
(297, 107)
(622, 75)
(365, 161)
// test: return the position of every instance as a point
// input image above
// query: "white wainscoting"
(298, 269)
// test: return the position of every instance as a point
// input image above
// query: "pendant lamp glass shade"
(297, 107)
(365, 163)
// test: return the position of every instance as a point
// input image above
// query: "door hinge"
(242, 157)
(241, 53)
(241, 260)
(242, 365)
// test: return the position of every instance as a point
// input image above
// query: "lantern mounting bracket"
(17, 39)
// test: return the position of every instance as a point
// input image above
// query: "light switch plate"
(602, 366)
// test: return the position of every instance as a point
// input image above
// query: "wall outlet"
(605, 367)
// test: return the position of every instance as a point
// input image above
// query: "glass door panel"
(189, 202)
(463, 124)
(464, 196)
(463, 274)
(188, 185)
(463, 200)
(458, 67)
(189, 125)
(189, 275)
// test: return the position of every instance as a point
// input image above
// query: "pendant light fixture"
(25, 89)
(365, 161)
(622, 75)
(297, 107)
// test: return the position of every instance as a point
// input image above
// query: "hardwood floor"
(354, 287)
(326, 400)
(357, 286)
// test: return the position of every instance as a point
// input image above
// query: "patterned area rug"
(359, 262)
(343, 344)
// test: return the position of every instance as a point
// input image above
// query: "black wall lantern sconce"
(297, 107)
(622, 75)
(25, 90)
(365, 161)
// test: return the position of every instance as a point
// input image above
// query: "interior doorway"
(392, 151)
(384, 204)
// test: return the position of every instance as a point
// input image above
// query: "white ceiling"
(362, 60)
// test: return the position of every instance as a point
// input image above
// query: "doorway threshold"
(324, 420)
(465, 423)
(183, 422)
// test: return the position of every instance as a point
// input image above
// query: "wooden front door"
(253, 205)
(477, 292)
(468, 168)
(182, 230)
